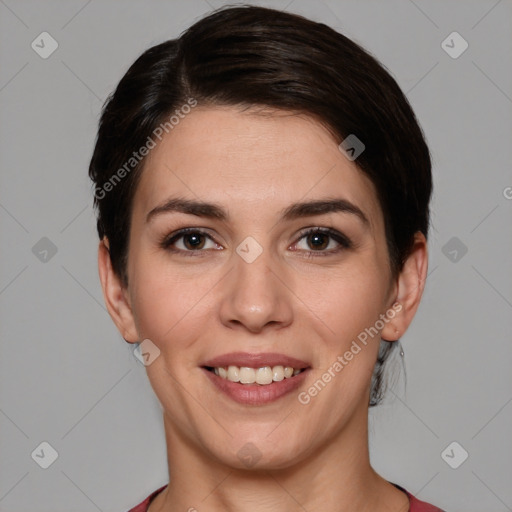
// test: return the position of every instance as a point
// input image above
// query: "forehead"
(249, 159)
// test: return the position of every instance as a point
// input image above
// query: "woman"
(263, 193)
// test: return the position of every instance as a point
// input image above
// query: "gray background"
(66, 375)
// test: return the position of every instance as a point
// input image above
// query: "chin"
(253, 453)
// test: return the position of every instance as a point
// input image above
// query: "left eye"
(321, 240)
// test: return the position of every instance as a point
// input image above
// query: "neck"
(336, 477)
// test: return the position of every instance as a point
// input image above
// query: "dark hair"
(253, 56)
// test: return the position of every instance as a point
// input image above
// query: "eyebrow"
(294, 211)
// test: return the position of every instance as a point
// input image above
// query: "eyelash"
(344, 243)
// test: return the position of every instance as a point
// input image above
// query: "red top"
(416, 505)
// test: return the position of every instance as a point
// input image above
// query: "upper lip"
(255, 360)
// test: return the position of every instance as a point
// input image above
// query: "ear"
(115, 295)
(408, 290)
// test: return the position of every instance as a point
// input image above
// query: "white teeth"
(262, 376)
(288, 372)
(247, 375)
(277, 373)
(233, 374)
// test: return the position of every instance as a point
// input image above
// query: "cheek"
(349, 305)
(167, 304)
(346, 300)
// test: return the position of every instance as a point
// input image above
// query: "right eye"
(192, 241)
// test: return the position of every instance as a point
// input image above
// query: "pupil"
(196, 242)
(316, 237)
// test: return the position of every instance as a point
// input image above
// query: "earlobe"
(115, 296)
(409, 290)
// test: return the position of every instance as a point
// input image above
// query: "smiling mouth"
(263, 376)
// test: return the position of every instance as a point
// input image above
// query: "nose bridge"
(255, 281)
(256, 297)
(254, 256)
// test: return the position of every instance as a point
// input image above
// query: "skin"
(313, 457)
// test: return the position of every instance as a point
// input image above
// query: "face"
(258, 281)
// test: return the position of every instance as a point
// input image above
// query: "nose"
(255, 296)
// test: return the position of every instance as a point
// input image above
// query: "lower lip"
(254, 394)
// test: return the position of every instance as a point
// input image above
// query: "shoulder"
(417, 505)
(143, 507)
